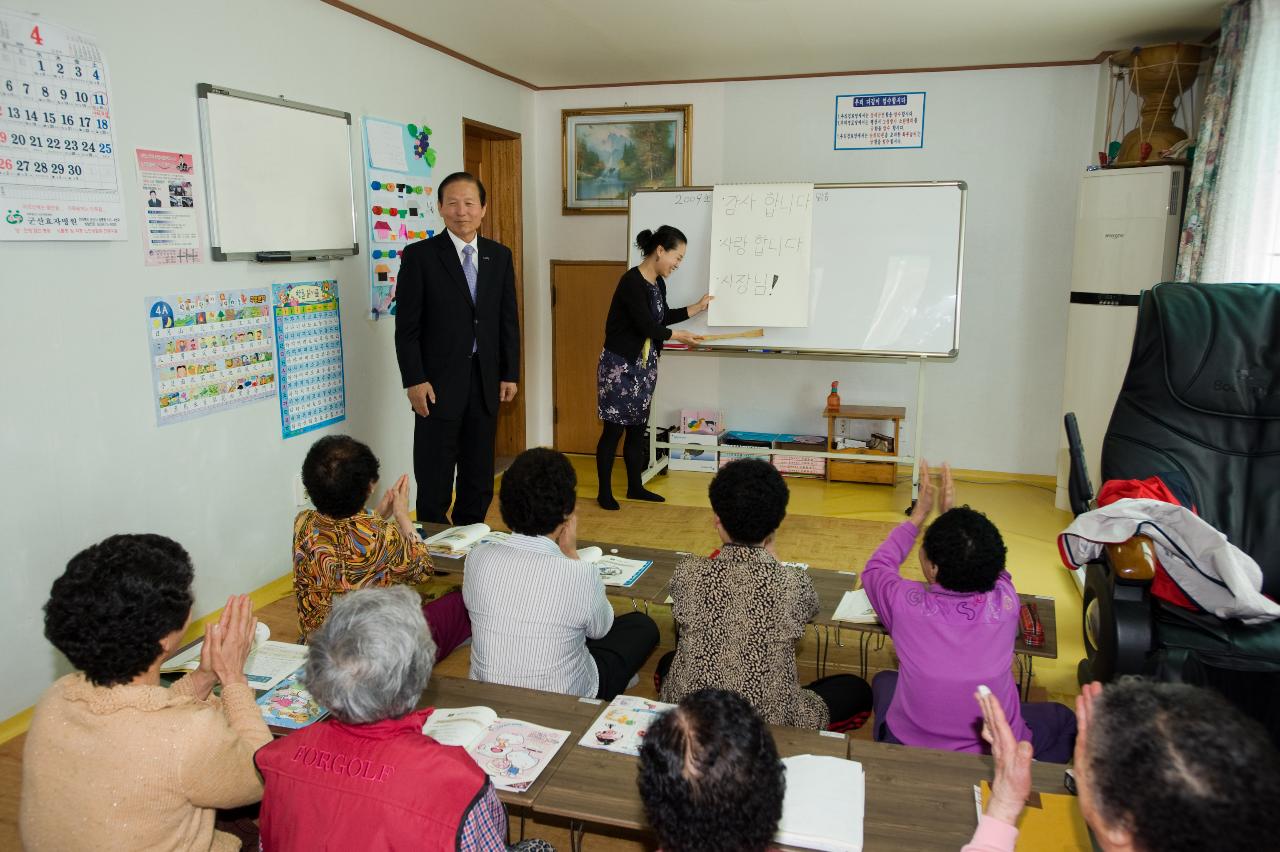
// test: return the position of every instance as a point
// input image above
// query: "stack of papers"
(512, 753)
(855, 608)
(824, 805)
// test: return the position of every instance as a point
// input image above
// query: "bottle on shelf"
(833, 398)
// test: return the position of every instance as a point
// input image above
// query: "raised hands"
(228, 642)
(943, 496)
(1012, 782)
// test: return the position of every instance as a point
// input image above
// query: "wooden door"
(493, 155)
(580, 294)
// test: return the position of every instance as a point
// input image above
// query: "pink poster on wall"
(167, 184)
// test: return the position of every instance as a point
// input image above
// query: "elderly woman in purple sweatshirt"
(952, 632)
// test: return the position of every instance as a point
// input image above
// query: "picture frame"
(608, 153)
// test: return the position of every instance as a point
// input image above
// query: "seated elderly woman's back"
(114, 760)
(368, 778)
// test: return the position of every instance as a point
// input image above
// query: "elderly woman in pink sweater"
(952, 632)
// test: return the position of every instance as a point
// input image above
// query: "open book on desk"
(512, 753)
(458, 541)
(855, 608)
(267, 665)
(623, 724)
(824, 804)
(614, 570)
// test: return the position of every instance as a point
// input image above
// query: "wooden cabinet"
(881, 419)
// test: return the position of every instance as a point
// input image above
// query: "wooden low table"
(596, 787)
(921, 798)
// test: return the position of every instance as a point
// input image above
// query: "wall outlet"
(300, 498)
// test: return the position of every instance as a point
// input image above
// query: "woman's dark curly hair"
(337, 473)
(1181, 768)
(115, 602)
(537, 491)
(750, 498)
(967, 550)
(710, 776)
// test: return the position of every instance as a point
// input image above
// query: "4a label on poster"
(210, 351)
(59, 175)
(309, 347)
(400, 201)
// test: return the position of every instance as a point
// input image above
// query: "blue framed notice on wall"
(881, 121)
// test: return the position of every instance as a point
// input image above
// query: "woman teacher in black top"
(628, 371)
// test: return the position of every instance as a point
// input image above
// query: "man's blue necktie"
(469, 271)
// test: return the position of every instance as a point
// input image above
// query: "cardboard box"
(806, 466)
(694, 451)
(698, 421)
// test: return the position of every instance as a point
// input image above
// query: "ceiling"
(571, 43)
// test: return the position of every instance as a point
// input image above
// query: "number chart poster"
(209, 352)
(59, 176)
(400, 205)
(171, 230)
(309, 348)
(760, 236)
(889, 120)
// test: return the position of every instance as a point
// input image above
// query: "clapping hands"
(944, 495)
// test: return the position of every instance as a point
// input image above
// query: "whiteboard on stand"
(886, 263)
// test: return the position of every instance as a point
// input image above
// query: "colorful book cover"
(623, 724)
(289, 705)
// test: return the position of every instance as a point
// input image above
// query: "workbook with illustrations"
(623, 724)
(615, 570)
(458, 541)
(512, 753)
(289, 705)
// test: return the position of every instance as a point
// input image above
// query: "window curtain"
(1219, 95)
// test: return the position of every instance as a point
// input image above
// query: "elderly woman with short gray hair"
(368, 778)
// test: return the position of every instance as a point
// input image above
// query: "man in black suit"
(458, 345)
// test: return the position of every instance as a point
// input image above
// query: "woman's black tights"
(635, 451)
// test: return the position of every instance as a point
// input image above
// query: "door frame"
(502, 149)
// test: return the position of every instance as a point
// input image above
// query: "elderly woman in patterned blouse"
(340, 546)
(740, 613)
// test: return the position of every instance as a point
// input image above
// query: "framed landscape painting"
(610, 153)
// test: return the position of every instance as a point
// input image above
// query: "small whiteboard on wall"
(886, 265)
(278, 177)
(760, 238)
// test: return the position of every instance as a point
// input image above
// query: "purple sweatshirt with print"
(947, 643)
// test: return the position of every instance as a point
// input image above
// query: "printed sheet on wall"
(400, 204)
(167, 200)
(309, 348)
(59, 176)
(760, 241)
(209, 352)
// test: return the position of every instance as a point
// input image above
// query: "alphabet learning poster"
(400, 201)
(309, 347)
(59, 177)
(209, 352)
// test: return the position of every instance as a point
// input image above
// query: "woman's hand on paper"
(700, 305)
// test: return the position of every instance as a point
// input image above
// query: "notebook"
(512, 753)
(824, 805)
(1051, 822)
(615, 570)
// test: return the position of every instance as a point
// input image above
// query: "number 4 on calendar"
(35, 36)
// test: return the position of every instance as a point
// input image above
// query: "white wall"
(82, 455)
(1019, 137)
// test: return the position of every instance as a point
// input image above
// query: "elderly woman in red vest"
(368, 778)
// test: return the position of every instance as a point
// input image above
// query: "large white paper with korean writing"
(760, 238)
